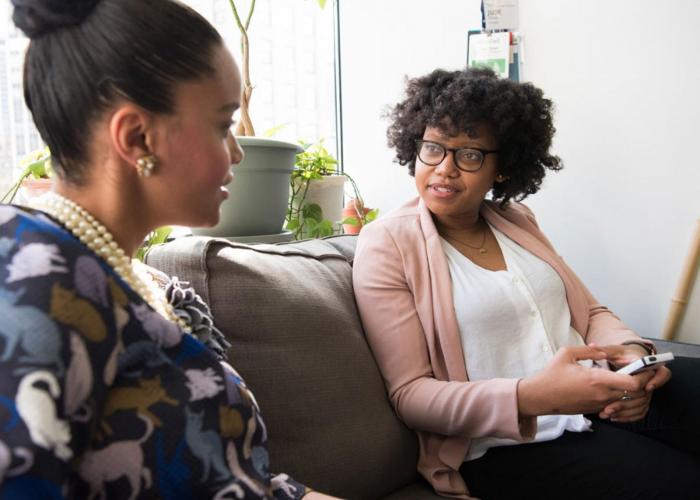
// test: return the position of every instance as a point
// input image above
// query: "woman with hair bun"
(487, 340)
(110, 386)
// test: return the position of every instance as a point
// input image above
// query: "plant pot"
(259, 192)
(31, 188)
(351, 210)
(328, 193)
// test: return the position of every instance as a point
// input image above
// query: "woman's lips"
(227, 180)
(442, 190)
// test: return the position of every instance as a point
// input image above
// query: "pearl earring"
(146, 165)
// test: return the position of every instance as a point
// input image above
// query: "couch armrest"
(677, 348)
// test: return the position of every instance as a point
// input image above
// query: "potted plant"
(258, 202)
(315, 206)
(35, 178)
(356, 215)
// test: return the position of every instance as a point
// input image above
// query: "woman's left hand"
(637, 406)
(621, 355)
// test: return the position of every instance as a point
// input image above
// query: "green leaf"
(353, 221)
(38, 168)
(160, 235)
(322, 3)
(292, 224)
(321, 229)
(271, 132)
(155, 237)
(315, 161)
(371, 215)
(312, 211)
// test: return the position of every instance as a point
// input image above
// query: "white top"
(511, 323)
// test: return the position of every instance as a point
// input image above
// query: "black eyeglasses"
(466, 159)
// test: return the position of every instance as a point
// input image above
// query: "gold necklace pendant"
(481, 248)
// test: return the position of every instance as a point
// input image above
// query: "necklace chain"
(481, 248)
(95, 236)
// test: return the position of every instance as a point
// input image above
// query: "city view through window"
(292, 70)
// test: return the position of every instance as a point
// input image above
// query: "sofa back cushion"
(290, 315)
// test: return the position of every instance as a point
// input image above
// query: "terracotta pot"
(31, 187)
(351, 210)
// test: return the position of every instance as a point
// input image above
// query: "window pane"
(291, 65)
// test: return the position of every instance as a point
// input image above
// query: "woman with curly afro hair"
(490, 346)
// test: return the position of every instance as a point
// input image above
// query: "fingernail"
(651, 387)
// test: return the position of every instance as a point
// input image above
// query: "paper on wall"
(501, 15)
(491, 50)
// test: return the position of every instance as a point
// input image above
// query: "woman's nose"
(234, 149)
(447, 166)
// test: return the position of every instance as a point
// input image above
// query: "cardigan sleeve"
(395, 332)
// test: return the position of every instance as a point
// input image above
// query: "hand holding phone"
(646, 363)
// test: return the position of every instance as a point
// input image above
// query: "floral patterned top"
(102, 396)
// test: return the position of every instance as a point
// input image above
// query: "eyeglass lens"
(432, 154)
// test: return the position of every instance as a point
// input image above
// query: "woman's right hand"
(567, 388)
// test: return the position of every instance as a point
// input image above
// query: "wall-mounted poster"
(491, 50)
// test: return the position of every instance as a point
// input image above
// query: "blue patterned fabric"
(102, 396)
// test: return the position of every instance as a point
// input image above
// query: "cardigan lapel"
(445, 327)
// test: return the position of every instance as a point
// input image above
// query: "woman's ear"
(130, 128)
(502, 178)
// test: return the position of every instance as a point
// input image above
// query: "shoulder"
(398, 223)
(393, 238)
(512, 209)
(42, 259)
(515, 212)
(22, 227)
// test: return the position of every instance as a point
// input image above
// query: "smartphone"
(646, 363)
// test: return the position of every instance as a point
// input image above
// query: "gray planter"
(259, 191)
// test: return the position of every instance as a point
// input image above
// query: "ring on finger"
(625, 396)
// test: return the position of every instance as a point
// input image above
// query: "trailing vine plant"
(307, 219)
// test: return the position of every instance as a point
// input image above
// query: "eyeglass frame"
(454, 151)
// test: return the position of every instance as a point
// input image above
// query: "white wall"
(624, 77)
(382, 42)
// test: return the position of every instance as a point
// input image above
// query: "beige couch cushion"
(290, 315)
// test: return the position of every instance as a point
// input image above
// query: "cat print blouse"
(100, 396)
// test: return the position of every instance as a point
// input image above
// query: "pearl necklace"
(97, 238)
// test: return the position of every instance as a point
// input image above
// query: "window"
(292, 59)
(292, 69)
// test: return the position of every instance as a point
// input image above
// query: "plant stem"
(355, 189)
(250, 14)
(12, 192)
(245, 126)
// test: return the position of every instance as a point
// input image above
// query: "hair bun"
(37, 17)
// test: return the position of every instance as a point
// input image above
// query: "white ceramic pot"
(328, 193)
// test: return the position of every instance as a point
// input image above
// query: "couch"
(289, 312)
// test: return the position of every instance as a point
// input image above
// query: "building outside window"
(292, 70)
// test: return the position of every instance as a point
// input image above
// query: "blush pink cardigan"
(404, 294)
